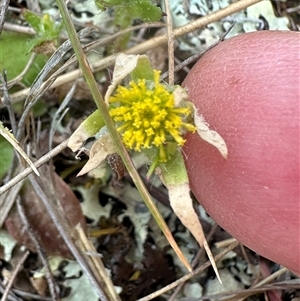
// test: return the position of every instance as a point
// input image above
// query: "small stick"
(225, 243)
(197, 56)
(3, 9)
(170, 34)
(23, 174)
(66, 231)
(14, 275)
(97, 264)
(39, 250)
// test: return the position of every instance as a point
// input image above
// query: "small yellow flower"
(146, 116)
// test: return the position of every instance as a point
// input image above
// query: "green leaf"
(146, 11)
(103, 4)
(87, 128)
(6, 156)
(127, 11)
(143, 69)
(33, 19)
(45, 27)
(13, 57)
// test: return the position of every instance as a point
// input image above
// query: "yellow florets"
(146, 116)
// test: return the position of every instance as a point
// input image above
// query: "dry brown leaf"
(182, 205)
(124, 65)
(103, 147)
(210, 136)
(40, 221)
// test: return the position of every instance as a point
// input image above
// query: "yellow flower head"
(146, 116)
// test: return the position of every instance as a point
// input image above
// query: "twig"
(294, 284)
(147, 45)
(186, 69)
(7, 200)
(188, 276)
(39, 250)
(60, 113)
(3, 9)
(195, 261)
(170, 34)
(18, 28)
(272, 277)
(197, 56)
(246, 257)
(65, 231)
(30, 296)
(23, 174)
(293, 9)
(258, 288)
(14, 275)
(225, 243)
(11, 296)
(97, 264)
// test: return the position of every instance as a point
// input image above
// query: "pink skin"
(247, 89)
